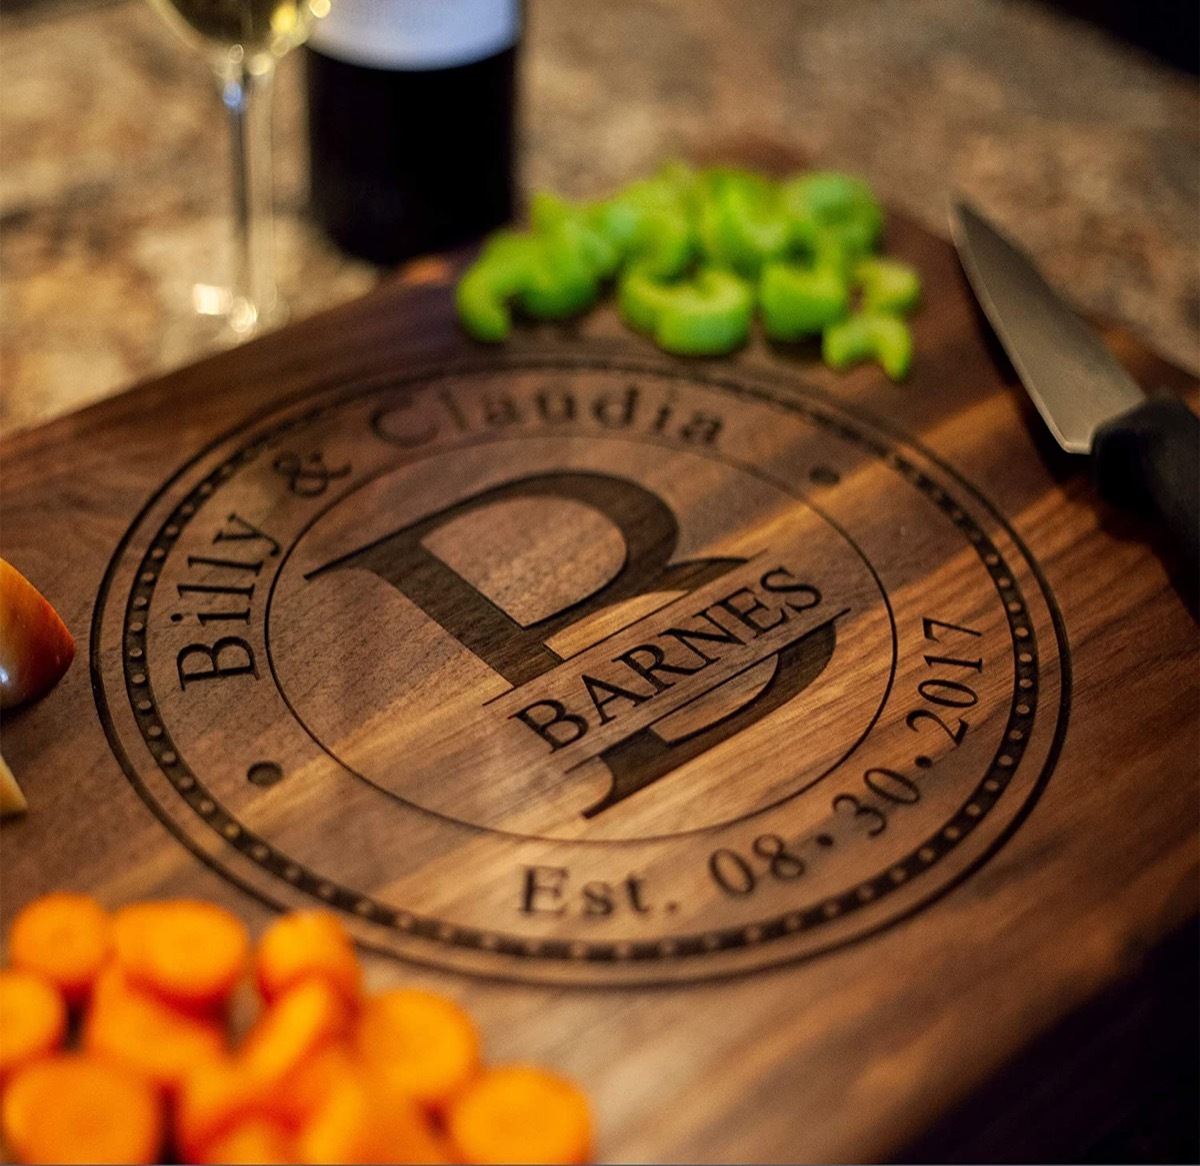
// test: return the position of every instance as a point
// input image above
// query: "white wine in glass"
(242, 40)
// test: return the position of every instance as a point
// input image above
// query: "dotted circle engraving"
(868, 435)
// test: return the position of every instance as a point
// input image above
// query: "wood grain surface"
(775, 904)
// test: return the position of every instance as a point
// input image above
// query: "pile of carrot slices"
(116, 1046)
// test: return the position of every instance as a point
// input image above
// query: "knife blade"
(1144, 451)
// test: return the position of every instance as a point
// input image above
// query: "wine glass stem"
(247, 97)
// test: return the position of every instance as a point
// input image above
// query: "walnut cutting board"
(783, 754)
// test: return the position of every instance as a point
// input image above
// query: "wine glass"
(242, 40)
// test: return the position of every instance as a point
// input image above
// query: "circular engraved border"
(936, 846)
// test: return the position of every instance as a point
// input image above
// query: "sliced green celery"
(617, 222)
(828, 194)
(887, 285)
(742, 224)
(559, 283)
(826, 202)
(684, 243)
(798, 301)
(665, 244)
(574, 227)
(893, 345)
(487, 287)
(709, 316)
(641, 297)
(866, 336)
(674, 187)
(483, 310)
(654, 221)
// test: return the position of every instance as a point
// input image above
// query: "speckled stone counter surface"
(114, 180)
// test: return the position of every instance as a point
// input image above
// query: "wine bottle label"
(417, 34)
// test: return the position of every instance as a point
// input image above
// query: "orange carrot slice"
(188, 952)
(76, 1108)
(212, 1098)
(224, 1093)
(146, 1034)
(361, 1120)
(256, 1141)
(294, 1028)
(304, 944)
(306, 1088)
(33, 1018)
(519, 1113)
(422, 1043)
(64, 937)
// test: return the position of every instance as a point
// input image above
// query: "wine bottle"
(411, 111)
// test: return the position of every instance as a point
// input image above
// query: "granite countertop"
(114, 181)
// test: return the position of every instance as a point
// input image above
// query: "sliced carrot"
(519, 1113)
(189, 952)
(361, 1120)
(146, 1034)
(305, 944)
(65, 937)
(306, 1088)
(78, 1108)
(33, 1018)
(294, 1028)
(224, 1093)
(113, 984)
(420, 1042)
(212, 1098)
(256, 1141)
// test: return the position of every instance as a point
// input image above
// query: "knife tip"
(959, 210)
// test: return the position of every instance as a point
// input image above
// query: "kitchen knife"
(1144, 451)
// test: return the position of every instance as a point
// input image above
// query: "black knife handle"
(1148, 461)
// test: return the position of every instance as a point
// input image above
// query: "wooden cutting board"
(786, 755)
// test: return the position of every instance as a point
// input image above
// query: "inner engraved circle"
(369, 479)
